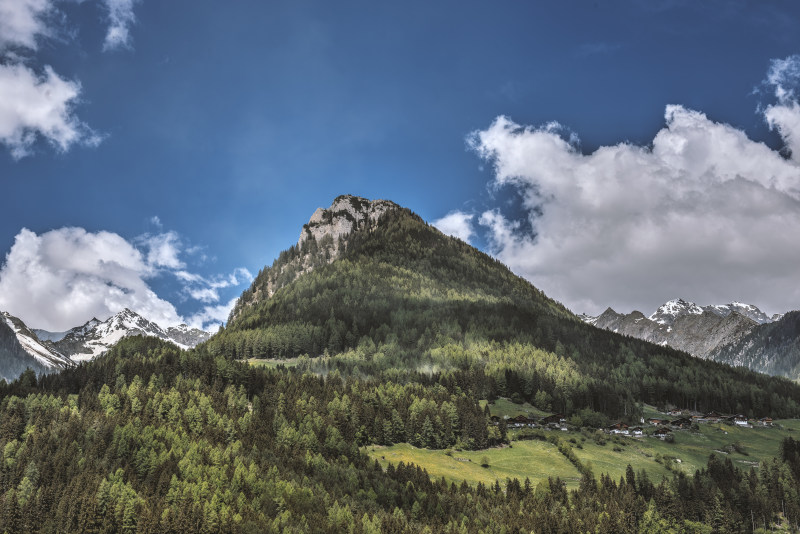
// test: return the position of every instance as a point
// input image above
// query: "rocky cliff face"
(320, 242)
(346, 214)
(684, 325)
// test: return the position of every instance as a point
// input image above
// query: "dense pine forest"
(395, 336)
(153, 439)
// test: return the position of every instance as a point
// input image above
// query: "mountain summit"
(346, 214)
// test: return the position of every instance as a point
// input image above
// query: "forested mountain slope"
(400, 295)
(772, 348)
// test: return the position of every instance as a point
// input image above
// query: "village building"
(711, 417)
(554, 420)
(682, 422)
(619, 428)
(661, 433)
(740, 420)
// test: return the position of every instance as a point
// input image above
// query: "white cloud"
(206, 289)
(120, 19)
(64, 277)
(457, 224)
(162, 250)
(211, 317)
(784, 77)
(705, 213)
(33, 106)
(23, 21)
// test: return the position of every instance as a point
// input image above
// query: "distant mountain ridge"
(44, 351)
(735, 333)
(92, 339)
(772, 348)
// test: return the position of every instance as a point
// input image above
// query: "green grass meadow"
(539, 460)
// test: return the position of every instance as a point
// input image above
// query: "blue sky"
(210, 131)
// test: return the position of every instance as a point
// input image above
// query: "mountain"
(684, 325)
(41, 352)
(737, 334)
(772, 348)
(320, 243)
(370, 289)
(92, 339)
(13, 357)
(410, 336)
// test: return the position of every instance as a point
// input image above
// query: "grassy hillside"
(538, 460)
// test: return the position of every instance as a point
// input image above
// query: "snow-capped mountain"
(668, 312)
(92, 339)
(748, 310)
(684, 325)
(43, 352)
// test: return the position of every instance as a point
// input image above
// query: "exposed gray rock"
(682, 325)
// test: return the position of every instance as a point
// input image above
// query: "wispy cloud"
(23, 22)
(120, 20)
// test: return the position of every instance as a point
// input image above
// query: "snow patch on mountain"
(44, 354)
(96, 337)
(668, 312)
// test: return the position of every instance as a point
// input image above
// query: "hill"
(395, 293)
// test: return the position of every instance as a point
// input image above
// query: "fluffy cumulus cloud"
(35, 101)
(784, 116)
(33, 106)
(704, 212)
(120, 19)
(23, 21)
(64, 277)
(457, 224)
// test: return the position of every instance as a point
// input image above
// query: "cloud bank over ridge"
(703, 212)
(60, 279)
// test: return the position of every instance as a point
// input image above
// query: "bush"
(485, 461)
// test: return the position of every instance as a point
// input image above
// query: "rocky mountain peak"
(346, 213)
(668, 312)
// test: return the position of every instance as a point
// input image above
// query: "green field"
(272, 363)
(538, 460)
(504, 407)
